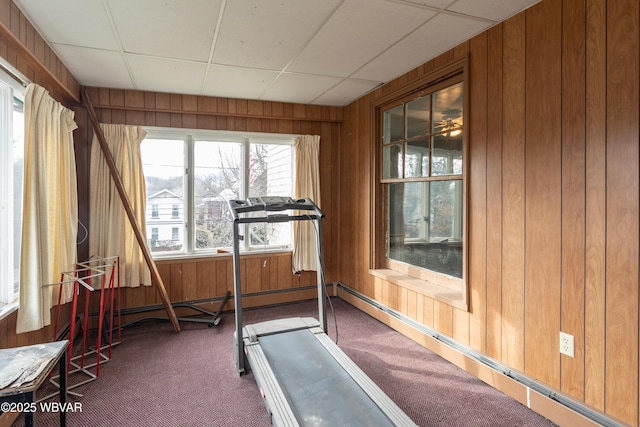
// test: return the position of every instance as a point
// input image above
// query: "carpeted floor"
(159, 378)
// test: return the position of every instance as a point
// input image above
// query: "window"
(190, 175)
(11, 166)
(423, 181)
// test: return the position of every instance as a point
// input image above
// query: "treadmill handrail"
(272, 204)
(275, 218)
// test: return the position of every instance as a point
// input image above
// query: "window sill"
(7, 309)
(203, 256)
(448, 296)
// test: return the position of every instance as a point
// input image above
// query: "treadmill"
(305, 379)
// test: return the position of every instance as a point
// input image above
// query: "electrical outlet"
(566, 344)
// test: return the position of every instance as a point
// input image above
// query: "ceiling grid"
(301, 51)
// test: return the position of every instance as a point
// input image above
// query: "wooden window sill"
(443, 294)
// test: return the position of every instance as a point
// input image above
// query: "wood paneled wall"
(205, 280)
(553, 208)
(202, 278)
(9, 338)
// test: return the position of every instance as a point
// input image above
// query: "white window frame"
(9, 89)
(190, 137)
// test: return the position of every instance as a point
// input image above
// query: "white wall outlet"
(566, 344)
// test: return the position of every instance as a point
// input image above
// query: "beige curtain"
(110, 232)
(50, 207)
(307, 185)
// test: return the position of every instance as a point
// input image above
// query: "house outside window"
(423, 181)
(164, 218)
(191, 174)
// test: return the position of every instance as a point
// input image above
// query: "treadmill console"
(271, 201)
(271, 204)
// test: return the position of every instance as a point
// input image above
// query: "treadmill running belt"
(318, 389)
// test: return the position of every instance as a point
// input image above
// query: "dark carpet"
(157, 377)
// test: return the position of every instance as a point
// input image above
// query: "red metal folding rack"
(100, 274)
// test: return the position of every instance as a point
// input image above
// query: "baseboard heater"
(194, 302)
(480, 358)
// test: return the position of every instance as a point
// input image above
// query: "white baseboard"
(531, 397)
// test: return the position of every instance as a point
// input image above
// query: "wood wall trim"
(213, 113)
(141, 103)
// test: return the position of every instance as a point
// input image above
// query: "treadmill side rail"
(274, 397)
(384, 402)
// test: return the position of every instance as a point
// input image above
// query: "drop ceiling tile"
(267, 35)
(298, 88)
(358, 31)
(496, 10)
(95, 67)
(166, 75)
(443, 32)
(345, 92)
(235, 82)
(78, 23)
(168, 28)
(440, 4)
(301, 37)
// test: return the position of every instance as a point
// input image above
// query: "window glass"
(425, 225)
(416, 161)
(447, 109)
(217, 178)
(447, 154)
(393, 124)
(18, 167)
(424, 213)
(163, 165)
(191, 175)
(11, 173)
(418, 120)
(270, 173)
(392, 157)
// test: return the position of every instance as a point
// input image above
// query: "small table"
(23, 394)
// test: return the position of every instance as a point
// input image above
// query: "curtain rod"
(15, 74)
